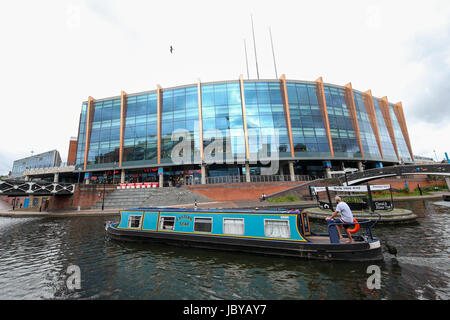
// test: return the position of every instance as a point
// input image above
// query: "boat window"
(167, 223)
(134, 221)
(277, 229)
(233, 226)
(203, 224)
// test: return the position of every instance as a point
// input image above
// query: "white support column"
(291, 170)
(448, 183)
(203, 168)
(161, 180)
(56, 177)
(328, 173)
(360, 166)
(247, 172)
(281, 172)
(122, 176)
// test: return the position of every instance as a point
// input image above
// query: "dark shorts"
(345, 225)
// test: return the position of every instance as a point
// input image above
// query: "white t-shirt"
(345, 211)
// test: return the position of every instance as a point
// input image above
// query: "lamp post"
(114, 171)
(79, 172)
(104, 188)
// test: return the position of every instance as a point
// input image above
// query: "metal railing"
(25, 188)
(62, 167)
(434, 169)
(253, 179)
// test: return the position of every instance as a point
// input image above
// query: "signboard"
(327, 164)
(382, 205)
(160, 171)
(87, 175)
(324, 205)
(376, 187)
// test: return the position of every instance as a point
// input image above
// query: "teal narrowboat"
(270, 232)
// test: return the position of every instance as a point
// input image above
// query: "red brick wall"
(85, 196)
(413, 181)
(71, 157)
(236, 192)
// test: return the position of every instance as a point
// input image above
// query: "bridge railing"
(25, 188)
(253, 178)
(398, 170)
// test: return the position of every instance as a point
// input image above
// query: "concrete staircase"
(154, 197)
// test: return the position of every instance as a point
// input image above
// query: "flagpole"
(246, 59)
(273, 54)
(254, 46)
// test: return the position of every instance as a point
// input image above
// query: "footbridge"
(17, 188)
(378, 173)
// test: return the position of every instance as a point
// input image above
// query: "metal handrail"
(398, 170)
(364, 222)
(253, 178)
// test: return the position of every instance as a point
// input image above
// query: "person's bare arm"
(332, 216)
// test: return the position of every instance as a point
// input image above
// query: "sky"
(55, 54)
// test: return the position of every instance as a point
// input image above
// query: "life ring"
(355, 228)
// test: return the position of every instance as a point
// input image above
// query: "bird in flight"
(171, 49)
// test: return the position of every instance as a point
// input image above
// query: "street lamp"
(79, 172)
(114, 171)
(104, 188)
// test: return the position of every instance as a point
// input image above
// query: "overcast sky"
(55, 54)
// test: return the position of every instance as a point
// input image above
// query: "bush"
(353, 199)
(404, 190)
(288, 198)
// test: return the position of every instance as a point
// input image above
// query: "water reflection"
(35, 254)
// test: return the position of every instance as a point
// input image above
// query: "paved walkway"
(6, 209)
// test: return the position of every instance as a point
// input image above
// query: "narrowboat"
(269, 232)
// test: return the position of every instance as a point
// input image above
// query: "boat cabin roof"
(249, 211)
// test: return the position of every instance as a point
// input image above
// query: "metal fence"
(433, 169)
(243, 179)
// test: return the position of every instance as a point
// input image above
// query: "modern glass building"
(42, 160)
(238, 128)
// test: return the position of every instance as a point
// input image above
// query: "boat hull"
(358, 251)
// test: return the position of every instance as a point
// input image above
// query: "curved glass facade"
(308, 129)
(139, 142)
(345, 144)
(104, 139)
(368, 139)
(386, 142)
(222, 119)
(265, 113)
(235, 115)
(81, 135)
(403, 151)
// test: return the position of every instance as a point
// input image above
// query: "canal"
(36, 252)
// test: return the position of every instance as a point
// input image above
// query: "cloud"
(430, 92)
(6, 162)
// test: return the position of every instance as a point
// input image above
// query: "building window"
(134, 222)
(202, 224)
(167, 223)
(233, 226)
(277, 229)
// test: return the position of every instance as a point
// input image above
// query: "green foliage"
(288, 198)
(440, 187)
(353, 199)
(404, 190)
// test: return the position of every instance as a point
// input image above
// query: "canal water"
(36, 252)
